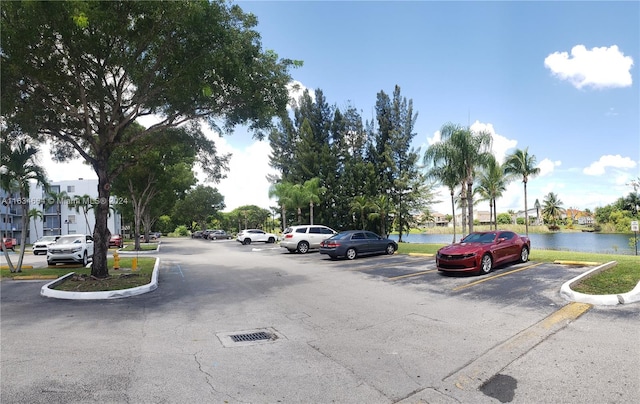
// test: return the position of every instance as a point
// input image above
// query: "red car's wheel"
(524, 254)
(486, 264)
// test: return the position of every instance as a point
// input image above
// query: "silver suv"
(305, 237)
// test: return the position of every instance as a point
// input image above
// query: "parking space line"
(412, 261)
(495, 360)
(412, 274)
(468, 285)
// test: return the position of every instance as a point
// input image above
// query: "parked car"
(219, 235)
(196, 234)
(305, 237)
(480, 252)
(9, 244)
(249, 236)
(40, 245)
(354, 243)
(152, 236)
(72, 248)
(116, 241)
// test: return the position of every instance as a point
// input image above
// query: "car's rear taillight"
(288, 235)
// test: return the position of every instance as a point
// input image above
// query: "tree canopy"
(79, 73)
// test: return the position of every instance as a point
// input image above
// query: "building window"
(71, 188)
(72, 219)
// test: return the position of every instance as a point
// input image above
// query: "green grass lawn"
(620, 279)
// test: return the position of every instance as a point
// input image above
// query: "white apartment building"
(60, 215)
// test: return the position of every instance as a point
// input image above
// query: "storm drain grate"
(254, 336)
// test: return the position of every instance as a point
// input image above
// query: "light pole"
(67, 223)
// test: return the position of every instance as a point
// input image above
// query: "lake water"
(587, 242)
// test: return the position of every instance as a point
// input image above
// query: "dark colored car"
(196, 234)
(354, 243)
(116, 241)
(219, 235)
(480, 252)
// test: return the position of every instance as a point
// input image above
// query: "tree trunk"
(23, 235)
(453, 210)
(470, 204)
(101, 232)
(526, 213)
(311, 212)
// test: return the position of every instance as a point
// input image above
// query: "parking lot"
(381, 329)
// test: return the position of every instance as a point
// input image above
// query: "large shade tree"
(80, 73)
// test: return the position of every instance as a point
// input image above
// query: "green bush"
(181, 231)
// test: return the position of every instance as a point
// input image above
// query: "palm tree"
(492, 184)
(19, 168)
(56, 199)
(450, 178)
(281, 191)
(359, 205)
(466, 151)
(36, 214)
(298, 199)
(380, 210)
(522, 164)
(312, 191)
(84, 203)
(552, 209)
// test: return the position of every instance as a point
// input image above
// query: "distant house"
(580, 217)
(479, 216)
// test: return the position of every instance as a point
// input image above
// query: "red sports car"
(480, 252)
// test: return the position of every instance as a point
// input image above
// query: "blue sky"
(560, 78)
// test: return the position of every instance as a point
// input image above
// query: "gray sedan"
(354, 243)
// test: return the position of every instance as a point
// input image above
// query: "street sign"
(634, 225)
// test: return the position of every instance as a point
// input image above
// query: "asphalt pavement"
(376, 330)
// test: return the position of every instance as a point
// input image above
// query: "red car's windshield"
(479, 238)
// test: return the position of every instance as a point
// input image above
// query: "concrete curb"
(46, 290)
(139, 252)
(602, 300)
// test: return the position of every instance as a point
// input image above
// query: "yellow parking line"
(494, 276)
(413, 274)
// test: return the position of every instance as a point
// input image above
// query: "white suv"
(72, 248)
(305, 237)
(249, 236)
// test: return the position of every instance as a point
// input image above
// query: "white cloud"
(547, 166)
(296, 90)
(617, 161)
(437, 137)
(598, 67)
(500, 143)
(246, 182)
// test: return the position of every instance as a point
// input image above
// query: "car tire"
(246, 241)
(391, 249)
(351, 254)
(303, 247)
(524, 254)
(486, 263)
(85, 259)
(271, 240)
(51, 264)
(291, 251)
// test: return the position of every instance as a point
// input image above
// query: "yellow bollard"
(116, 261)
(134, 264)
